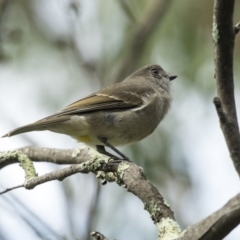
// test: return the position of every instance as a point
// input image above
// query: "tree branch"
(126, 174)
(130, 176)
(3, 5)
(11, 188)
(224, 36)
(93, 208)
(38, 154)
(217, 225)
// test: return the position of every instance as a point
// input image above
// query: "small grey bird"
(122, 113)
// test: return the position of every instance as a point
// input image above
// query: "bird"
(119, 114)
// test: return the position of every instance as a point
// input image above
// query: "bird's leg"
(101, 149)
(104, 140)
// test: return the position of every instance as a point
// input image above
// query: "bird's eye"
(154, 71)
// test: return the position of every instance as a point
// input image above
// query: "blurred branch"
(41, 228)
(138, 39)
(224, 36)
(126, 174)
(126, 8)
(93, 208)
(3, 5)
(68, 191)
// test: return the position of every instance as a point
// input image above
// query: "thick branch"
(126, 174)
(58, 156)
(224, 36)
(130, 176)
(217, 225)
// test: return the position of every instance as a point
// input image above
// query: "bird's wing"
(115, 97)
(97, 102)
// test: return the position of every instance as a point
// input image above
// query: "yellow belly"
(84, 138)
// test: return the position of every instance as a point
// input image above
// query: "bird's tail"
(24, 129)
(40, 125)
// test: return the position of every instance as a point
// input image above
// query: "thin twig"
(40, 227)
(12, 188)
(93, 207)
(60, 174)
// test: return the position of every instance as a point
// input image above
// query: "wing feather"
(116, 97)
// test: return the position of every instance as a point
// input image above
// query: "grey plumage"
(121, 113)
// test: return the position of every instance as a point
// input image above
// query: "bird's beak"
(172, 77)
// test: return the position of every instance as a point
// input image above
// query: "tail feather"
(24, 129)
(40, 125)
